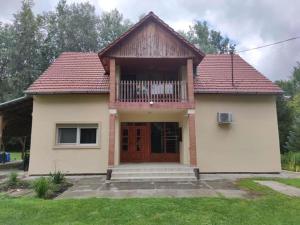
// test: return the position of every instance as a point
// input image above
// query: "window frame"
(78, 135)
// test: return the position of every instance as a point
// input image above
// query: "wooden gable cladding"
(151, 41)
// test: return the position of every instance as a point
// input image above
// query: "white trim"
(78, 134)
(113, 111)
(190, 111)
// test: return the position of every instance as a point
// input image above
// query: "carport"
(15, 123)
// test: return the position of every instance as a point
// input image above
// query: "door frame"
(139, 156)
(147, 155)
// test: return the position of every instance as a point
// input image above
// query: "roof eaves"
(66, 92)
(238, 92)
(14, 101)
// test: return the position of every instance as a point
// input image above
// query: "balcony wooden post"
(190, 80)
(112, 80)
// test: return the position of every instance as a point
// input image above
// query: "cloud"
(250, 23)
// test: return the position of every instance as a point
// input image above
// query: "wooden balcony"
(151, 91)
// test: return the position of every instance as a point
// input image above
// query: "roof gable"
(150, 38)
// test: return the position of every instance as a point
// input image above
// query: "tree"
(23, 64)
(293, 142)
(294, 104)
(6, 40)
(285, 120)
(111, 26)
(288, 107)
(69, 28)
(208, 40)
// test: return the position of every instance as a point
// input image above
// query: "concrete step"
(152, 178)
(163, 169)
(153, 172)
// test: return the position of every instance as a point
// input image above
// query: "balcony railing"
(151, 91)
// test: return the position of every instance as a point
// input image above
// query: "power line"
(267, 45)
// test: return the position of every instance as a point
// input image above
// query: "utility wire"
(275, 43)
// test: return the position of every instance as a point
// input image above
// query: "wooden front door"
(150, 142)
(134, 142)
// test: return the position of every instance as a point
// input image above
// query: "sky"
(249, 23)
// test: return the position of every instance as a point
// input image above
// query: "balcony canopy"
(148, 39)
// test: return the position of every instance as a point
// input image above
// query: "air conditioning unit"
(224, 117)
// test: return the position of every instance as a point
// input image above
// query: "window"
(88, 135)
(67, 135)
(71, 134)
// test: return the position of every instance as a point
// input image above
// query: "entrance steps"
(153, 172)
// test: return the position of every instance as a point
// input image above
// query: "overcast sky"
(249, 23)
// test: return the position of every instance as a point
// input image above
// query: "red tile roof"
(214, 75)
(74, 72)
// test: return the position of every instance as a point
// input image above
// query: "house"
(151, 96)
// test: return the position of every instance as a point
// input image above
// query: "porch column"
(112, 81)
(190, 80)
(111, 141)
(192, 137)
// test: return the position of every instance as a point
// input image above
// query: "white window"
(81, 134)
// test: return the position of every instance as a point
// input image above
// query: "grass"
(289, 181)
(270, 208)
(14, 156)
(292, 182)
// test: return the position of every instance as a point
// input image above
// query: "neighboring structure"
(151, 96)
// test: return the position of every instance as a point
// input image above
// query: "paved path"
(210, 185)
(282, 188)
(283, 174)
(96, 187)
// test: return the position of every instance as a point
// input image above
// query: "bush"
(13, 180)
(43, 187)
(57, 177)
(291, 161)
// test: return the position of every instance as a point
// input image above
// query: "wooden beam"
(112, 81)
(190, 81)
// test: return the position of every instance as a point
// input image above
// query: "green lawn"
(15, 156)
(289, 181)
(269, 208)
(292, 182)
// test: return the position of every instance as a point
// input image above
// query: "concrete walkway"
(280, 187)
(96, 186)
(210, 185)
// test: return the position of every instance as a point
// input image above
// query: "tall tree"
(208, 40)
(288, 107)
(23, 64)
(6, 40)
(69, 28)
(285, 119)
(111, 26)
(293, 142)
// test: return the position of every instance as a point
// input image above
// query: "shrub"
(57, 177)
(43, 187)
(13, 179)
(291, 161)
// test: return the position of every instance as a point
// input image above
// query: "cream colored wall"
(160, 116)
(52, 109)
(249, 144)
